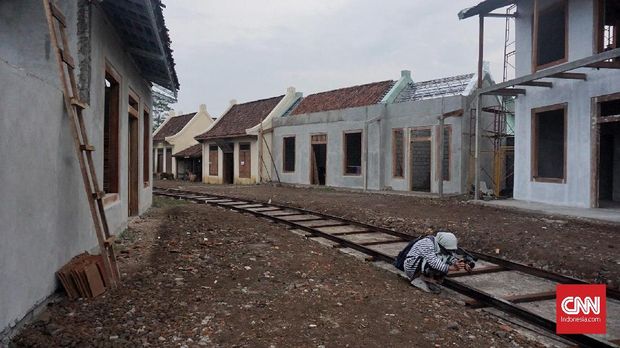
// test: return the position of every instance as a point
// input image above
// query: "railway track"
(494, 282)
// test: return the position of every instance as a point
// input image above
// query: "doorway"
(318, 159)
(228, 168)
(160, 161)
(133, 167)
(608, 152)
(245, 160)
(609, 165)
(420, 159)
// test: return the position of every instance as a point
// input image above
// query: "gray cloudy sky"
(247, 50)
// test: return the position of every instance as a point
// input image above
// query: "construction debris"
(84, 276)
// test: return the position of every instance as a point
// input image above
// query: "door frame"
(411, 140)
(133, 167)
(595, 143)
(312, 157)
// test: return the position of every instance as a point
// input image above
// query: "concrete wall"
(44, 212)
(578, 96)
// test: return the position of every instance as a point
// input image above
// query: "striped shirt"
(424, 249)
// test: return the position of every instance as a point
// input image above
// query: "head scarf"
(446, 240)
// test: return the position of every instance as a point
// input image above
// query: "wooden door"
(245, 162)
(133, 167)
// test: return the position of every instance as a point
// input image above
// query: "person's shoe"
(420, 284)
(434, 288)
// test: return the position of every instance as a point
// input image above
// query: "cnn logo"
(575, 305)
(581, 309)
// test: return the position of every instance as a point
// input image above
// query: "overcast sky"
(248, 50)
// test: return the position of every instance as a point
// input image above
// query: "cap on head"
(447, 240)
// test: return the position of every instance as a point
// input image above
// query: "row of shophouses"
(547, 136)
(377, 136)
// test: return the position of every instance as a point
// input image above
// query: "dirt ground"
(196, 275)
(571, 247)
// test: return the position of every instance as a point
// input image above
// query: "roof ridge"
(260, 100)
(350, 87)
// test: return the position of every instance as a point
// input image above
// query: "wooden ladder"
(66, 65)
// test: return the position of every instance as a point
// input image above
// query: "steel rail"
(481, 296)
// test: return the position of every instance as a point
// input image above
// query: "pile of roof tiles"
(84, 276)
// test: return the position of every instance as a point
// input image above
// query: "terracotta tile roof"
(192, 151)
(239, 118)
(444, 87)
(343, 98)
(173, 126)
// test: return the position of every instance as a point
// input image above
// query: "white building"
(567, 120)
(174, 135)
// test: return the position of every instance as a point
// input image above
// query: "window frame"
(599, 28)
(535, 24)
(284, 152)
(534, 144)
(115, 134)
(402, 159)
(344, 152)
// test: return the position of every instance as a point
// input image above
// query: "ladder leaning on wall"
(66, 65)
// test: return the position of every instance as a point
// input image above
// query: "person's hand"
(457, 266)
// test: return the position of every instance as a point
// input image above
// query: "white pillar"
(165, 162)
(155, 151)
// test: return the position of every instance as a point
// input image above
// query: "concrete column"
(164, 159)
(155, 150)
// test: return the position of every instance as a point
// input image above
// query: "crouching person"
(429, 259)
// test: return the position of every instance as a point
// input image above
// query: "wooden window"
(245, 162)
(213, 160)
(607, 23)
(398, 153)
(353, 153)
(146, 142)
(289, 154)
(111, 121)
(549, 144)
(550, 39)
(318, 139)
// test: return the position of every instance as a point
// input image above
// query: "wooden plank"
(87, 147)
(569, 76)
(66, 57)
(608, 119)
(537, 84)
(475, 271)
(78, 103)
(507, 92)
(540, 296)
(605, 65)
(58, 14)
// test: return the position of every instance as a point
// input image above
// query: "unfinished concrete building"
(567, 124)
(237, 147)
(45, 216)
(174, 135)
(382, 135)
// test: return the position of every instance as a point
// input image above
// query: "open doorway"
(133, 158)
(420, 159)
(228, 166)
(608, 120)
(318, 159)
